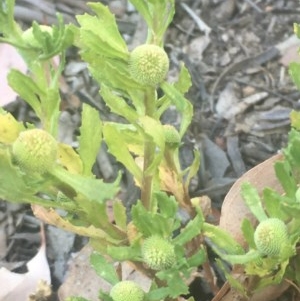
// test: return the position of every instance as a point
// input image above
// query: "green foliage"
(162, 234)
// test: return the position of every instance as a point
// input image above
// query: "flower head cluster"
(127, 291)
(271, 236)
(148, 64)
(158, 253)
(35, 150)
(172, 136)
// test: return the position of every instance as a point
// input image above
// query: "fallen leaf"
(234, 210)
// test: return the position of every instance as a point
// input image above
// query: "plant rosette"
(158, 253)
(127, 291)
(148, 64)
(35, 151)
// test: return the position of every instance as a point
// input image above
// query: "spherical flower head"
(127, 291)
(148, 64)
(29, 38)
(35, 150)
(158, 253)
(271, 236)
(172, 136)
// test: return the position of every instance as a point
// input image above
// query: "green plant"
(152, 237)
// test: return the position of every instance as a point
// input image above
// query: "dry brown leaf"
(18, 287)
(9, 58)
(234, 209)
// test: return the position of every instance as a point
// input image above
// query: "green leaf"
(154, 130)
(193, 168)
(248, 232)
(167, 204)
(143, 8)
(104, 268)
(181, 103)
(221, 241)
(118, 105)
(109, 40)
(120, 150)
(191, 230)
(92, 189)
(294, 71)
(158, 294)
(272, 202)
(150, 223)
(90, 138)
(253, 201)
(120, 214)
(174, 281)
(295, 119)
(284, 174)
(121, 253)
(198, 258)
(26, 89)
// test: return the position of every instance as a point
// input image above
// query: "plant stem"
(149, 151)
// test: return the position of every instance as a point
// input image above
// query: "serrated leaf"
(93, 189)
(181, 103)
(120, 150)
(121, 253)
(105, 19)
(158, 294)
(167, 204)
(118, 105)
(284, 174)
(221, 241)
(150, 223)
(272, 202)
(27, 89)
(90, 137)
(191, 230)
(104, 268)
(253, 201)
(174, 281)
(120, 214)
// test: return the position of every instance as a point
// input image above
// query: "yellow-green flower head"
(148, 64)
(158, 253)
(35, 150)
(172, 136)
(271, 236)
(127, 291)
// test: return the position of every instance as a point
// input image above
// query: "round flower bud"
(29, 38)
(148, 64)
(35, 151)
(127, 291)
(172, 136)
(270, 236)
(158, 253)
